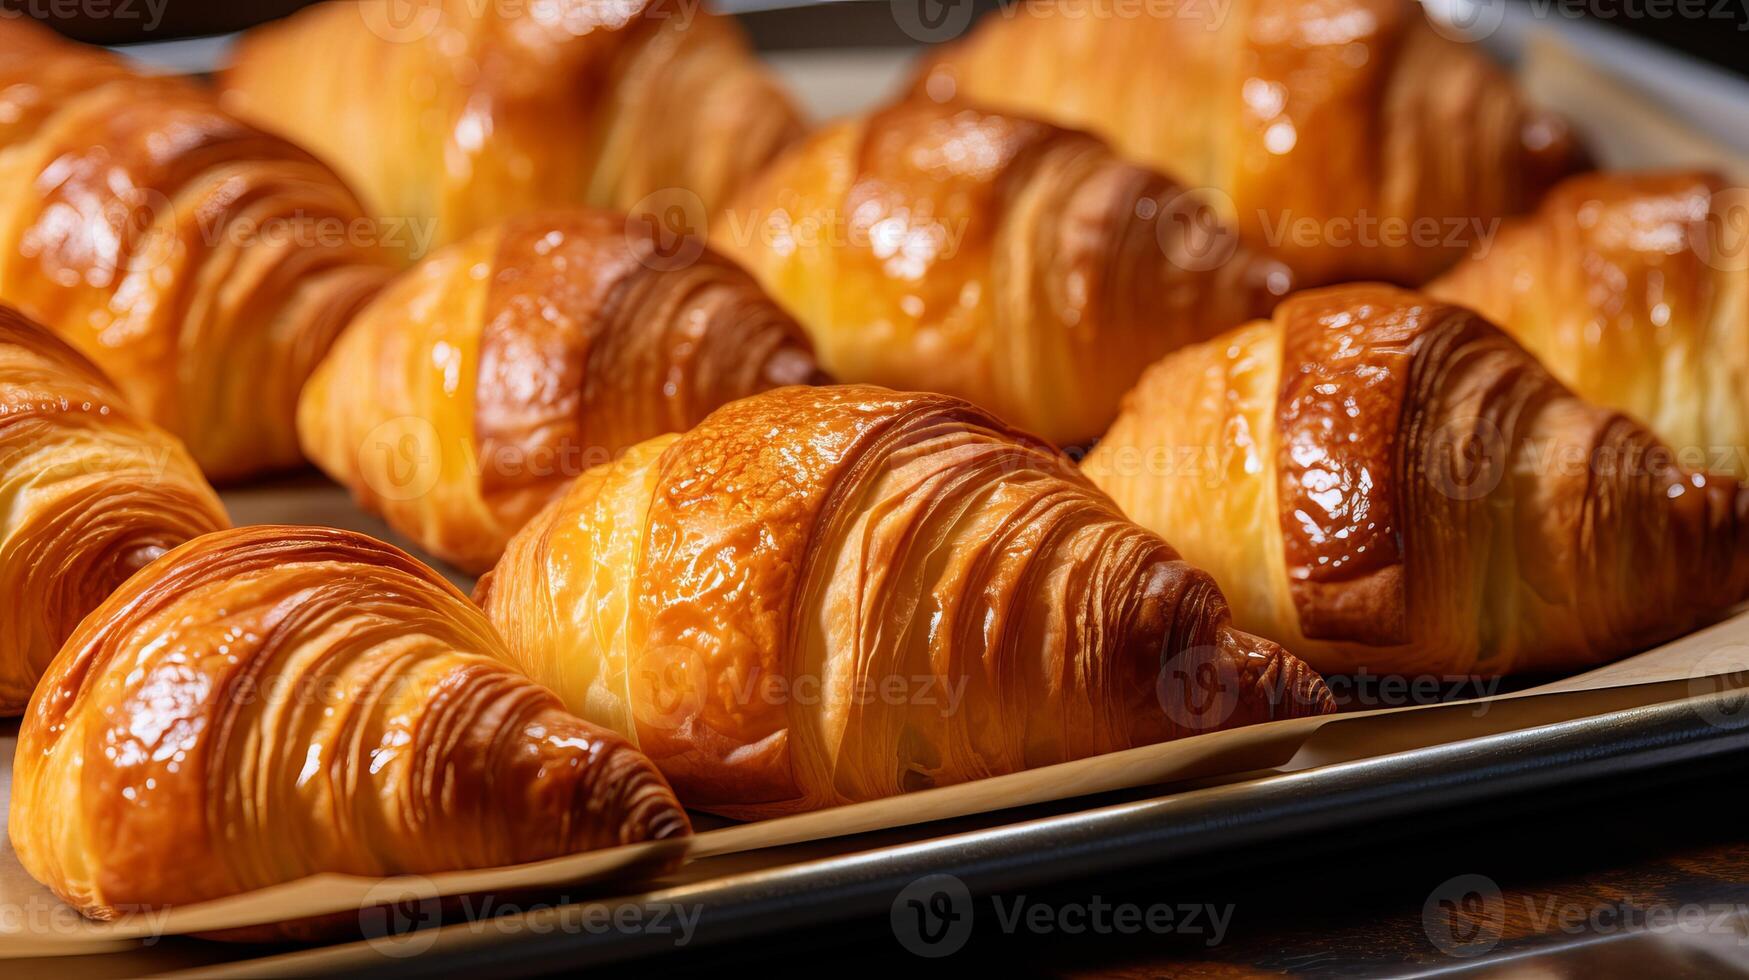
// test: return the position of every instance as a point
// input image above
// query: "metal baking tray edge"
(1014, 856)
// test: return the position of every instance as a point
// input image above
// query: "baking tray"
(747, 896)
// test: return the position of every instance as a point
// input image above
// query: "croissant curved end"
(269, 703)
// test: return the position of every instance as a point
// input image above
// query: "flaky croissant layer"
(463, 114)
(265, 704)
(472, 389)
(1352, 138)
(89, 493)
(992, 257)
(824, 595)
(1634, 290)
(203, 264)
(1392, 485)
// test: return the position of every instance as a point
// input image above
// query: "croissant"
(269, 703)
(1633, 289)
(202, 264)
(825, 595)
(1352, 138)
(991, 257)
(1391, 484)
(90, 493)
(463, 114)
(472, 389)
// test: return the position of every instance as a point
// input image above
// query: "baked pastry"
(1353, 139)
(472, 389)
(462, 114)
(991, 257)
(1390, 484)
(270, 703)
(202, 264)
(90, 493)
(1633, 289)
(825, 595)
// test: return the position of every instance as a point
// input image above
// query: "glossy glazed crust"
(89, 493)
(465, 113)
(1416, 494)
(264, 704)
(995, 258)
(501, 367)
(203, 264)
(845, 593)
(1333, 124)
(1634, 290)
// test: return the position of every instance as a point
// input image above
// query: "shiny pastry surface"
(1633, 288)
(90, 492)
(499, 368)
(203, 264)
(462, 114)
(992, 257)
(825, 595)
(269, 703)
(1390, 484)
(1353, 139)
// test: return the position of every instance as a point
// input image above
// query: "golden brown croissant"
(1390, 484)
(1353, 139)
(269, 703)
(203, 265)
(823, 595)
(465, 113)
(89, 494)
(991, 257)
(1634, 290)
(472, 389)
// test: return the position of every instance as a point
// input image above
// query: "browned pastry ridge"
(992, 257)
(89, 494)
(1633, 289)
(472, 389)
(204, 265)
(1353, 139)
(824, 595)
(269, 703)
(465, 113)
(1391, 484)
